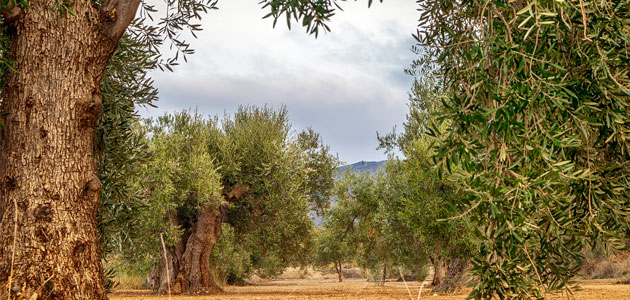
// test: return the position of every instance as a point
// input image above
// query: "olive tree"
(536, 100)
(248, 172)
(356, 219)
(333, 242)
(425, 206)
(53, 56)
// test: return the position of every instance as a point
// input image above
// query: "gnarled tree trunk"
(454, 276)
(49, 188)
(194, 269)
(189, 261)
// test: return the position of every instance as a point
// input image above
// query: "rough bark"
(116, 15)
(194, 272)
(438, 270)
(454, 276)
(49, 189)
(189, 261)
(163, 276)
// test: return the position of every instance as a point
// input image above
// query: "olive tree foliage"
(121, 148)
(335, 242)
(420, 218)
(364, 225)
(127, 85)
(423, 205)
(393, 221)
(204, 161)
(321, 166)
(182, 175)
(356, 220)
(537, 96)
(296, 177)
(332, 246)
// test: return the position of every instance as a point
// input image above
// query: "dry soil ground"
(359, 289)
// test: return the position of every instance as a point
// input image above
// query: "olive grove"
(54, 56)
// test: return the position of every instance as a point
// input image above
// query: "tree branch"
(116, 15)
(11, 11)
(237, 192)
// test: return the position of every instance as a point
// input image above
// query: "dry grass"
(328, 289)
(603, 268)
(130, 281)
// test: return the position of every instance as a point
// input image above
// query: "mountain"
(359, 167)
(362, 167)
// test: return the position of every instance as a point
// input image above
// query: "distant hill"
(363, 166)
(359, 167)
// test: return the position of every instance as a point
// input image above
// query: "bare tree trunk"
(339, 269)
(384, 274)
(193, 275)
(454, 276)
(438, 270)
(191, 256)
(49, 189)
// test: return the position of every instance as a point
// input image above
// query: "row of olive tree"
(398, 219)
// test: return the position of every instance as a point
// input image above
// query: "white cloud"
(347, 84)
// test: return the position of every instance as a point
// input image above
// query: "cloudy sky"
(346, 84)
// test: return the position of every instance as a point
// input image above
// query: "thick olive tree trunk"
(194, 271)
(48, 184)
(189, 261)
(455, 276)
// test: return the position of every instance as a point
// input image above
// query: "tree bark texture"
(49, 189)
(438, 270)
(455, 276)
(190, 259)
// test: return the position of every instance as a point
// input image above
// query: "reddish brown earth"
(359, 289)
